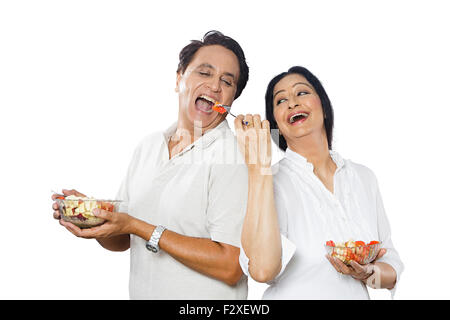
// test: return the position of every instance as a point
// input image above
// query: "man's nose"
(214, 84)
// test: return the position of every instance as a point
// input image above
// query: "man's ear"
(177, 88)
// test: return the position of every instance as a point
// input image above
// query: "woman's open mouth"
(297, 117)
(204, 104)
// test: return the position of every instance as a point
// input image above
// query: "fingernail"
(95, 211)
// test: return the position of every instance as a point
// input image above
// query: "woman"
(314, 196)
(186, 198)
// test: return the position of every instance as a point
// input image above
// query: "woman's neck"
(315, 149)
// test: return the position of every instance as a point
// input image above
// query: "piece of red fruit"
(219, 109)
(359, 243)
(373, 242)
(330, 243)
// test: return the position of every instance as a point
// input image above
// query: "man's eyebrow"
(229, 74)
(207, 65)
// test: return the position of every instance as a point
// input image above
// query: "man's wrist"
(140, 228)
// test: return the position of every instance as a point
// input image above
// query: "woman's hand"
(65, 192)
(254, 142)
(117, 223)
(356, 270)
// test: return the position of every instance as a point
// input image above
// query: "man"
(186, 189)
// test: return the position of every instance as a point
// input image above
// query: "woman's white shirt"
(309, 215)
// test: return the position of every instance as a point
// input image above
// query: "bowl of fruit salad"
(78, 210)
(358, 251)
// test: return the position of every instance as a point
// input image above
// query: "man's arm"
(214, 259)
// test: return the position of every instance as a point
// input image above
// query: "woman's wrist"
(257, 172)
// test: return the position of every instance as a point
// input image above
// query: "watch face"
(151, 248)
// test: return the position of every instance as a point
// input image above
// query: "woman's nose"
(293, 105)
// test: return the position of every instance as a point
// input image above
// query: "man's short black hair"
(216, 38)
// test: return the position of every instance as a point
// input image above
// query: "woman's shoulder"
(361, 170)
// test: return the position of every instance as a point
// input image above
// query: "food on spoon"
(218, 107)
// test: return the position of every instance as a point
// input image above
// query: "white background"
(82, 82)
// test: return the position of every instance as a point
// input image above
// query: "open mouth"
(298, 117)
(205, 103)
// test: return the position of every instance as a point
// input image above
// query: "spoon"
(221, 108)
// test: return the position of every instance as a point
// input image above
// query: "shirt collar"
(302, 161)
(221, 130)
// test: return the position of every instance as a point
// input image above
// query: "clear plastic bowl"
(79, 211)
(362, 254)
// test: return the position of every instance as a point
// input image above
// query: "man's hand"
(65, 192)
(117, 223)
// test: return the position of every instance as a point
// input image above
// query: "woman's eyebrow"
(304, 83)
(279, 91)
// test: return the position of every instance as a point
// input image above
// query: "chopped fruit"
(330, 243)
(81, 208)
(353, 250)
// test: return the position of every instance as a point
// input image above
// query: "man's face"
(212, 74)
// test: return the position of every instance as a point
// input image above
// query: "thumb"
(101, 213)
(381, 253)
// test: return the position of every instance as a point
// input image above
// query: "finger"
(238, 122)
(55, 206)
(102, 213)
(257, 121)
(357, 267)
(249, 119)
(71, 227)
(56, 215)
(90, 233)
(342, 267)
(72, 192)
(330, 258)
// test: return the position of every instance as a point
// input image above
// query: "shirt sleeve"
(123, 192)
(227, 202)
(384, 232)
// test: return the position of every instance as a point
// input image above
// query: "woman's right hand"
(254, 142)
(66, 193)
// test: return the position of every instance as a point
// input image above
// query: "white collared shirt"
(309, 215)
(200, 192)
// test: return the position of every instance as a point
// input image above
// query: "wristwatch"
(152, 244)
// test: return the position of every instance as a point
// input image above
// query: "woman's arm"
(384, 277)
(260, 233)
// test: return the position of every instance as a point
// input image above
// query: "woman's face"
(211, 76)
(296, 107)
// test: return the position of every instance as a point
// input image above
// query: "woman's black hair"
(325, 101)
(216, 38)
